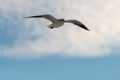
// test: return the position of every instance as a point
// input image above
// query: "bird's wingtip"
(84, 27)
(87, 29)
(25, 17)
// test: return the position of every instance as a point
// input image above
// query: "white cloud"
(102, 17)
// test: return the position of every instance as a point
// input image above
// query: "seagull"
(59, 22)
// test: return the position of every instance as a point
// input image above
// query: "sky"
(30, 50)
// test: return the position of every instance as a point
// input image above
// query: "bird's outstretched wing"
(78, 23)
(46, 16)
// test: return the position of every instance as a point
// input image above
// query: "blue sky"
(54, 67)
(30, 50)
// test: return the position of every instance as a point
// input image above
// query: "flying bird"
(59, 22)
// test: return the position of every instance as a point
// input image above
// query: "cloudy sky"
(23, 39)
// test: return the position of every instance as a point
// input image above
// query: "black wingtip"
(24, 17)
(39, 16)
(87, 29)
(28, 17)
(84, 27)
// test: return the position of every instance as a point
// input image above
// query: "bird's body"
(58, 22)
